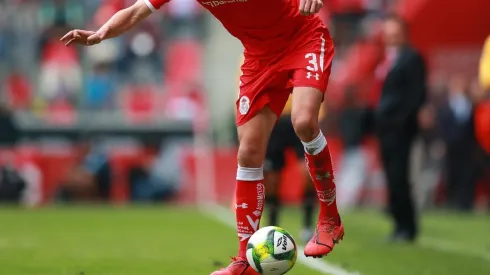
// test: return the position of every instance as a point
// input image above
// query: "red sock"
(319, 165)
(249, 204)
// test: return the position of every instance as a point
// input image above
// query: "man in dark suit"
(455, 119)
(402, 95)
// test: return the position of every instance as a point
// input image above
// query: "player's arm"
(118, 24)
(310, 7)
(484, 74)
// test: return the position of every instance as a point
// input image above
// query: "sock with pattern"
(250, 201)
(319, 163)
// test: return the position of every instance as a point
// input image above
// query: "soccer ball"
(271, 251)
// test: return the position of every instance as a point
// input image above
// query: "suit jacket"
(403, 93)
(459, 137)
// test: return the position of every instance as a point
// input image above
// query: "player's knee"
(305, 126)
(250, 155)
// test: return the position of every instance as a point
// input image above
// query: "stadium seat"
(139, 103)
(183, 61)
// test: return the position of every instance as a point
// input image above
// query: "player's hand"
(310, 7)
(82, 37)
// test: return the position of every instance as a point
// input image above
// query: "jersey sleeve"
(154, 5)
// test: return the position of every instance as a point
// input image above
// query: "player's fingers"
(70, 42)
(319, 5)
(67, 36)
(85, 33)
(307, 7)
(302, 4)
(312, 9)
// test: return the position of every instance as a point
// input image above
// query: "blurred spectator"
(18, 91)
(31, 173)
(456, 127)
(353, 126)
(159, 179)
(402, 94)
(90, 179)
(100, 88)
(51, 11)
(346, 16)
(186, 105)
(141, 60)
(428, 156)
(60, 70)
(185, 18)
(8, 128)
(11, 183)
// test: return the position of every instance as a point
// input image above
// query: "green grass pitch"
(182, 241)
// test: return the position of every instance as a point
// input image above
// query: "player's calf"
(250, 191)
(329, 230)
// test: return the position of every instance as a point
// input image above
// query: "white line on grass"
(452, 247)
(224, 216)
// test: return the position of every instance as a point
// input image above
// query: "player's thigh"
(312, 64)
(253, 136)
(261, 87)
(263, 95)
(310, 76)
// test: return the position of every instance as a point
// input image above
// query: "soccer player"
(287, 50)
(281, 139)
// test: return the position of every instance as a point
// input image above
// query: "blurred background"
(149, 117)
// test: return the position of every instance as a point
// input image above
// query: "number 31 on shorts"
(312, 66)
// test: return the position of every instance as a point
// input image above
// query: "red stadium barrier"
(291, 189)
(122, 162)
(56, 161)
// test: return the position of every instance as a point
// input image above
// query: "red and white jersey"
(265, 27)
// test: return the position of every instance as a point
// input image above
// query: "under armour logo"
(243, 205)
(316, 75)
